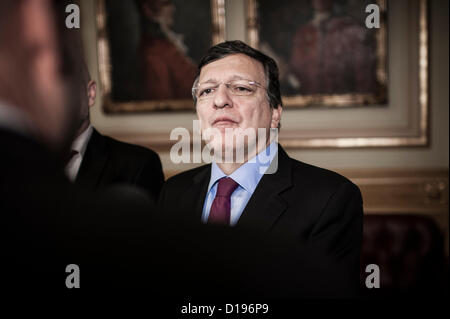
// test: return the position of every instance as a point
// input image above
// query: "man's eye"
(206, 92)
(242, 89)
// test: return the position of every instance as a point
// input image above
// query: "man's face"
(227, 111)
(47, 92)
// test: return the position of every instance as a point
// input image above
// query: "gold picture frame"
(106, 65)
(404, 121)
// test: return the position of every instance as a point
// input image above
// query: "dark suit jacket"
(108, 162)
(48, 222)
(311, 206)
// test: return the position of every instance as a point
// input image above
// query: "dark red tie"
(220, 208)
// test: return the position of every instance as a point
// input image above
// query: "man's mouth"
(224, 121)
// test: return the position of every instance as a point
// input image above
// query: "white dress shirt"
(247, 176)
(79, 145)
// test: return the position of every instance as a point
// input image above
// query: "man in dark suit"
(98, 161)
(236, 92)
(48, 222)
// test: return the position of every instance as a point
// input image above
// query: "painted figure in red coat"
(331, 55)
(167, 70)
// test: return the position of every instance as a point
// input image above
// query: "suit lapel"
(194, 197)
(94, 161)
(266, 205)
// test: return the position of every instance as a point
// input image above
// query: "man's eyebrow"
(234, 77)
(210, 81)
(238, 77)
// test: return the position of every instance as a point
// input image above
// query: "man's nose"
(222, 98)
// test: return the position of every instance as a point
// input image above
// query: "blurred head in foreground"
(36, 73)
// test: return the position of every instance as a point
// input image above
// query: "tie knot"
(226, 187)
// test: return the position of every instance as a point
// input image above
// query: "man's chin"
(230, 153)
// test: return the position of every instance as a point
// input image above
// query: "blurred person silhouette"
(96, 160)
(50, 223)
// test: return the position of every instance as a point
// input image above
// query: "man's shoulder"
(315, 177)
(309, 170)
(18, 149)
(190, 176)
(125, 149)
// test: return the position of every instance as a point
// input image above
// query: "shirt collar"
(80, 143)
(248, 174)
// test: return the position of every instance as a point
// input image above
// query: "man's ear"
(276, 116)
(91, 92)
